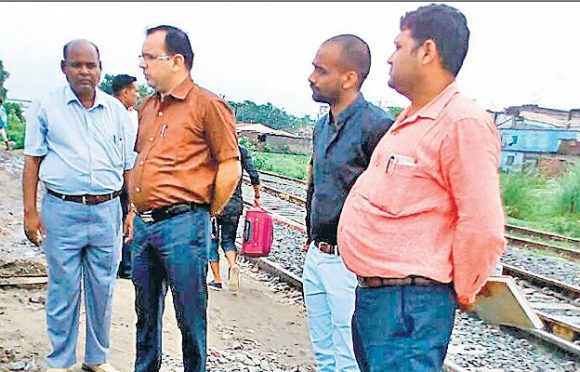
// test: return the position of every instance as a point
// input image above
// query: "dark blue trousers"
(403, 328)
(171, 253)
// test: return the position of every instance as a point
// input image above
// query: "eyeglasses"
(149, 57)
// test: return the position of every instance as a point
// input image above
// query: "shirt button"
(141, 162)
(160, 114)
(150, 139)
(138, 189)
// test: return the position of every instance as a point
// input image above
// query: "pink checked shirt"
(429, 203)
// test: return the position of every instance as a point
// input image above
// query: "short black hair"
(446, 26)
(121, 82)
(355, 54)
(66, 46)
(176, 42)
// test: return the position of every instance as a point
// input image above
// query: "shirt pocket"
(405, 188)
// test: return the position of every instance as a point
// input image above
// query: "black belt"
(166, 212)
(327, 248)
(85, 199)
(375, 281)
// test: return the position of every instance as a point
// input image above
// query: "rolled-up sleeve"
(130, 136)
(249, 167)
(220, 128)
(470, 161)
(35, 141)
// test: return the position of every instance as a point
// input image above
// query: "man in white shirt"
(126, 90)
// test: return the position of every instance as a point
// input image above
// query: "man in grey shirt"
(343, 142)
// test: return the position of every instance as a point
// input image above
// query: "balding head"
(79, 43)
(82, 67)
(355, 55)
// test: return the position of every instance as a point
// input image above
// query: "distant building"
(270, 139)
(533, 136)
(533, 116)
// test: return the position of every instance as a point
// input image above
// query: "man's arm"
(228, 175)
(470, 161)
(248, 166)
(128, 225)
(32, 223)
(309, 193)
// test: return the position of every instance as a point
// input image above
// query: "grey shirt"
(342, 149)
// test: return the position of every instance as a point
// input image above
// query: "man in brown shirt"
(188, 165)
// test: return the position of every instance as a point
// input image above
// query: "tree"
(395, 111)
(4, 75)
(270, 115)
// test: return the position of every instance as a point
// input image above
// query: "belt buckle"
(329, 249)
(146, 217)
(84, 199)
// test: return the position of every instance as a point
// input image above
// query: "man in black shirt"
(343, 142)
(225, 226)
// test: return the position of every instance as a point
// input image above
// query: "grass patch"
(289, 165)
(551, 205)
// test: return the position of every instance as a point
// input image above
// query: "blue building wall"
(517, 142)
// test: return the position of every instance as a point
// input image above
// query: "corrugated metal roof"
(262, 129)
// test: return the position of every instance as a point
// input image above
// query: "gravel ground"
(474, 344)
(551, 267)
(284, 185)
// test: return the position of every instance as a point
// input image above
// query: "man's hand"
(128, 226)
(258, 202)
(469, 307)
(33, 228)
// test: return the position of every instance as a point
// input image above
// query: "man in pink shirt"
(423, 226)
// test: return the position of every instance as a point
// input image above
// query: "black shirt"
(235, 205)
(342, 150)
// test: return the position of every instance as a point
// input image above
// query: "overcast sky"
(519, 52)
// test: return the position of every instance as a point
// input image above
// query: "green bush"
(15, 130)
(517, 190)
(567, 192)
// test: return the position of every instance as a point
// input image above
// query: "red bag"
(258, 233)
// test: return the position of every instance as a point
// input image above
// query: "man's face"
(155, 62)
(131, 94)
(404, 63)
(327, 78)
(82, 68)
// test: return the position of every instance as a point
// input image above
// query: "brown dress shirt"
(181, 141)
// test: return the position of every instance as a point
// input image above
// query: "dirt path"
(254, 330)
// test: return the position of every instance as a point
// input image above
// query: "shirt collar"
(181, 90)
(70, 96)
(433, 108)
(349, 111)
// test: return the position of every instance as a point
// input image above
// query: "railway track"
(561, 315)
(271, 180)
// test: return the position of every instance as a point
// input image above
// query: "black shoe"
(215, 286)
(123, 275)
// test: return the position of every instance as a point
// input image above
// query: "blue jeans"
(171, 252)
(403, 328)
(329, 293)
(82, 246)
(226, 234)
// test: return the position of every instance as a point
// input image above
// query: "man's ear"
(62, 65)
(429, 52)
(179, 61)
(350, 79)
